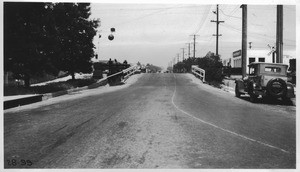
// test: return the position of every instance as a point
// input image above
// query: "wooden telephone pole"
(244, 39)
(182, 54)
(194, 51)
(189, 50)
(217, 31)
(279, 34)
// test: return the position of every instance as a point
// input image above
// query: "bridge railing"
(198, 72)
(129, 71)
(116, 77)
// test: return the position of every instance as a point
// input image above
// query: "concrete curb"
(22, 101)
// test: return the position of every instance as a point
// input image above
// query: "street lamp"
(110, 37)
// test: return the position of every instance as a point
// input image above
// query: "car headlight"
(256, 85)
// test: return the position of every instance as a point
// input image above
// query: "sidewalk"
(20, 100)
(229, 85)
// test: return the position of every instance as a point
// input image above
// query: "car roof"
(275, 64)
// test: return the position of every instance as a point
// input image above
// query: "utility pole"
(279, 34)
(244, 39)
(194, 52)
(182, 54)
(177, 57)
(217, 31)
(189, 50)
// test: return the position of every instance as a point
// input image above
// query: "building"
(257, 55)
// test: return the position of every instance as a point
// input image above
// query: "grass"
(49, 88)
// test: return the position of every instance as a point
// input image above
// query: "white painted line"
(228, 131)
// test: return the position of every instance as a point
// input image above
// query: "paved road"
(161, 121)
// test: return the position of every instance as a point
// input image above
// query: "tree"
(74, 33)
(25, 40)
(210, 63)
(46, 38)
(125, 64)
(213, 67)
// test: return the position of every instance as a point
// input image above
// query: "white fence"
(199, 72)
(123, 74)
(129, 71)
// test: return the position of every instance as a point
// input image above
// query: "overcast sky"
(155, 33)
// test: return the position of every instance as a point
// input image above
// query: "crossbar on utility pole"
(217, 29)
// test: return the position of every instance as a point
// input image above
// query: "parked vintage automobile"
(265, 80)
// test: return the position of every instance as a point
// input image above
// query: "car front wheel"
(253, 98)
(237, 92)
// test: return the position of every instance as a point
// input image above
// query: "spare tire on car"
(277, 87)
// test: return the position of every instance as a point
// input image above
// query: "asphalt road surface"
(161, 121)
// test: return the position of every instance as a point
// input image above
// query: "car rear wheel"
(287, 100)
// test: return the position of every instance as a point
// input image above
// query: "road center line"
(228, 131)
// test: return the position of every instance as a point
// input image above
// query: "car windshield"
(253, 70)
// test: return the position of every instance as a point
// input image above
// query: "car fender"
(290, 90)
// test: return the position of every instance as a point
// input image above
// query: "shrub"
(213, 68)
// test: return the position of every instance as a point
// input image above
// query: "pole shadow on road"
(268, 101)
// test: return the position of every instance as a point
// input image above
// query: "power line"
(257, 35)
(260, 37)
(230, 16)
(151, 9)
(207, 45)
(232, 12)
(204, 18)
(142, 17)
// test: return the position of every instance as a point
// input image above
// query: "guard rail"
(199, 72)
